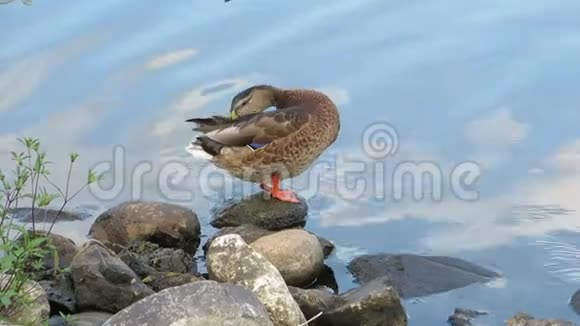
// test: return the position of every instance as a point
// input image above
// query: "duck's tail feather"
(209, 145)
(209, 124)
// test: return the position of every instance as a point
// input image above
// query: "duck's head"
(252, 100)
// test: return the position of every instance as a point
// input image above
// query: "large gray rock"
(201, 303)
(265, 213)
(373, 304)
(575, 302)
(523, 319)
(36, 311)
(167, 225)
(103, 282)
(251, 233)
(231, 260)
(296, 254)
(416, 276)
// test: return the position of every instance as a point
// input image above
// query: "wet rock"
(36, 311)
(265, 213)
(168, 225)
(231, 260)
(296, 254)
(102, 281)
(60, 293)
(376, 303)
(46, 215)
(162, 281)
(416, 276)
(201, 303)
(251, 233)
(575, 302)
(463, 317)
(523, 319)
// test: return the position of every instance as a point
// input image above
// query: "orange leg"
(280, 194)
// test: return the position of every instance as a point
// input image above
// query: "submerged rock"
(575, 302)
(201, 303)
(523, 319)
(231, 260)
(251, 233)
(416, 276)
(45, 215)
(463, 317)
(296, 254)
(103, 282)
(270, 214)
(36, 311)
(373, 304)
(167, 225)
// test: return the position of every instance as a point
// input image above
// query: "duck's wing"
(260, 128)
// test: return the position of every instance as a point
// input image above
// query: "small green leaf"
(73, 157)
(93, 177)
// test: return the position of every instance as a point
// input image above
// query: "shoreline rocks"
(417, 276)
(167, 225)
(231, 260)
(374, 304)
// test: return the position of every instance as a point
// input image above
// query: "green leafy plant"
(23, 250)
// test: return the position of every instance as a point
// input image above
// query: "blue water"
(494, 83)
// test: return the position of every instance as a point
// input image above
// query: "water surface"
(494, 83)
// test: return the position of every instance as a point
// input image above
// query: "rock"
(90, 318)
(102, 281)
(162, 281)
(373, 304)
(463, 317)
(265, 213)
(36, 311)
(65, 248)
(523, 319)
(165, 224)
(326, 281)
(60, 293)
(147, 256)
(201, 303)
(575, 302)
(45, 215)
(251, 233)
(231, 260)
(416, 276)
(296, 254)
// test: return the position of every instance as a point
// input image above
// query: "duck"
(267, 147)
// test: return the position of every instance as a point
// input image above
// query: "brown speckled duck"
(268, 146)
